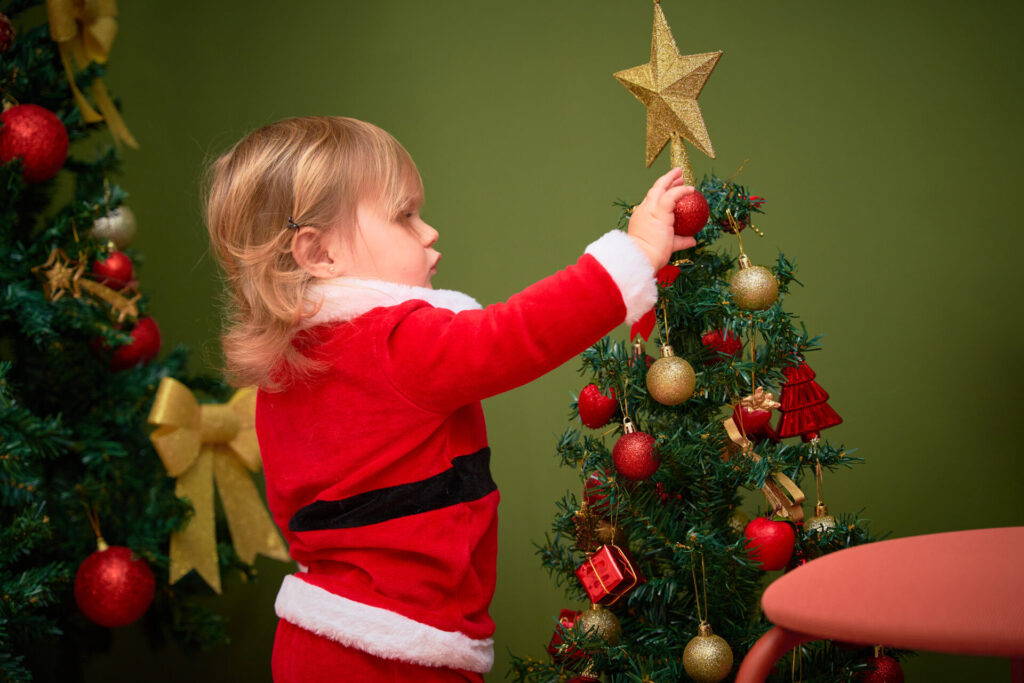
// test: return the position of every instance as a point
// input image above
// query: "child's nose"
(431, 235)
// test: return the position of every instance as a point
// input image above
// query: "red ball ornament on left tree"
(634, 455)
(143, 348)
(38, 137)
(113, 586)
(115, 271)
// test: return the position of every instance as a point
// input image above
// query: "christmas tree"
(667, 567)
(102, 517)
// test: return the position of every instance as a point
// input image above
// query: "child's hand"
(650, 224)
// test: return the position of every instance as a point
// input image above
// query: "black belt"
(468, 478)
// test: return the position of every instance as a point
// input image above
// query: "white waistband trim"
(377, 630)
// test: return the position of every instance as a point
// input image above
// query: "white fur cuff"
(379, 631)
(630, 268)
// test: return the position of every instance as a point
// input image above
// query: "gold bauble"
(821, 521)
(754, 288)
(607, 534)
(118, 227)
(707, 658)
(600, 620)
(670, 379)
(738, 521)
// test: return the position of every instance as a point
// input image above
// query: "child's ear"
(314, 256)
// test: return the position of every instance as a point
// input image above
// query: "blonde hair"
(315, 169)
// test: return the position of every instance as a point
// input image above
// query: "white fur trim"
(379, 631)
(630, 268)
(346, 297)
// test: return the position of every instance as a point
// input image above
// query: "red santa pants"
(301, 656)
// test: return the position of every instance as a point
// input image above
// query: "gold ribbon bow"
(201, 443)
(86, 29)
(760, 400)
(775, 491)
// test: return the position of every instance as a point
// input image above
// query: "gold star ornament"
(668, 86)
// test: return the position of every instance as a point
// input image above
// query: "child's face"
(396, 249)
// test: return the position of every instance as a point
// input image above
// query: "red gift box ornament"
(607, 575)
(566, 620)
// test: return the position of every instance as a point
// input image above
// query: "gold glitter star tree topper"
(668, 86)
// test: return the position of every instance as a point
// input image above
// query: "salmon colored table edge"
(959, 592)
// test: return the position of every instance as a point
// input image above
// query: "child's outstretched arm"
(440, 360)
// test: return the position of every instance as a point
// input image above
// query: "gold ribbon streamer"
(200, 444)
(790, 505)
(85, 30)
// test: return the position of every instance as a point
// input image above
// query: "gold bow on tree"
(86, 29)
(200, 443)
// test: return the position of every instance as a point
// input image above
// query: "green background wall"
(885, 136)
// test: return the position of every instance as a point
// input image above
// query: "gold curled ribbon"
(790, 505)
(760, 400)
(85, 30)
(199, 444)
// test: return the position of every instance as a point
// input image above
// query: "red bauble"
(113, 587)
(729, 344)
(594, 492)
(769, 542)
(595, 408)
(634, 456)
(691, 214)
(6, 33)
(566, 619)
(37, 136)
(753, 422)
(115, 271)
(886, 670)
(143, 348)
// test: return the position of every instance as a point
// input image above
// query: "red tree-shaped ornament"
(803, 404)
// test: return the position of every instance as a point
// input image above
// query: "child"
(368, 409)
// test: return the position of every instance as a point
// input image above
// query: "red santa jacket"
(378, 473)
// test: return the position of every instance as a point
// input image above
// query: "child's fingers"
(663, 183)
(668, 200)
(680, 242)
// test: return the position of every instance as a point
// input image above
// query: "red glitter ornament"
(770, 542)
(594, 489)
(115, 271)
(728, 343)
(886, 670)
(38, 137)
(595, 408)
(6, 33)
(113, 586)
(566, 619)
(692, 214)
(143, 348)
(634, 455)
